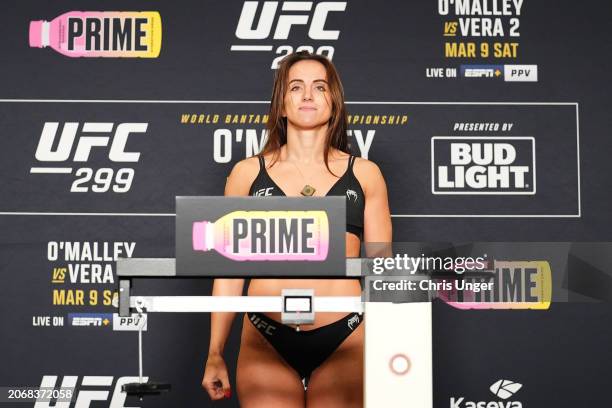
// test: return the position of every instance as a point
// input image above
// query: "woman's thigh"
(263, 378)
(338, 382)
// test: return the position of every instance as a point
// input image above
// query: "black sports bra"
(347, 186)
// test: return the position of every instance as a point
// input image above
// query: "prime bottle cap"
(203, 235)
(39, 34)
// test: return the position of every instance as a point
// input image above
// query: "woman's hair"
(277, 124)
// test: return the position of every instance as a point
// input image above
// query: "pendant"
(308, 190)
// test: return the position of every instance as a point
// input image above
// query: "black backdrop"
(383, 52)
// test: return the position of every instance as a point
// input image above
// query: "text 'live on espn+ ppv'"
(487, 118)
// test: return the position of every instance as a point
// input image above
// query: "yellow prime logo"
(513, 285)
(114, 34)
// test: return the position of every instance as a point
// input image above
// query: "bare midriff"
(322, 287)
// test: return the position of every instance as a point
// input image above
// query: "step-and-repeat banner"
(488, 118)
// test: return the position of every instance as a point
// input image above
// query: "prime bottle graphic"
(265, 235)
(127, 34)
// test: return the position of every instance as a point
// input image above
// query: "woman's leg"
(264, 380)
(338, 382)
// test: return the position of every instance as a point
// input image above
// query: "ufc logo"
(260, 324)
(84, 144)
(263, 192)
(316, 31)
(92, 388)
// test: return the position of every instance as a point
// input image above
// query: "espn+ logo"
(483, 165)
(58, 151)
(257, 18)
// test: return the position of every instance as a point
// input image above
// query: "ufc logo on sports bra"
(262, 192)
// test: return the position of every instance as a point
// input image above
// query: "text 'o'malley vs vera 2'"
(127, 34)
(265, 235)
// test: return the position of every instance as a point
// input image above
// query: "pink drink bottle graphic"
(537, 294)
(100, 34)
(265, 235)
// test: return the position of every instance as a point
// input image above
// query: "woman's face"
(307, 103)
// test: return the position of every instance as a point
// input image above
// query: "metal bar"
(146, 267)
(124, 297)
(166, 267)
(207, 304)
(140, 356)
(356, 266)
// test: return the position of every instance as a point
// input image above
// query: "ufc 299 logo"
(90, 392)
(68, 150)
(256, 24)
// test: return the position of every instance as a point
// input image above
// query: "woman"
(306, 154)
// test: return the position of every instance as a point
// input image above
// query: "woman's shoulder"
(368, 173)
(365, 167)
(247, 165)
(242, 176)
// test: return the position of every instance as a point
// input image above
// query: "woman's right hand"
(216, 379)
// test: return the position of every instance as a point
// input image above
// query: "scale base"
(146, 388)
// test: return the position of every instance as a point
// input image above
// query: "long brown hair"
(277, 124)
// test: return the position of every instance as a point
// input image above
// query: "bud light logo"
(483, 165)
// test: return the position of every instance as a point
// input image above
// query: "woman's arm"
(238, 184)
(221, 322)
(216, 380)
(377, 218)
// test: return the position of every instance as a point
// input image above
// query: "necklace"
(307, 190)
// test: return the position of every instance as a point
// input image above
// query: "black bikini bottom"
(305, 350)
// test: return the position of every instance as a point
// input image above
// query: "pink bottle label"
(100, 34)
(266, 236)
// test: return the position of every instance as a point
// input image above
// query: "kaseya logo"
(503, 389)
(55, 154)
(100, 34)
(263, 22)
(483, 165)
